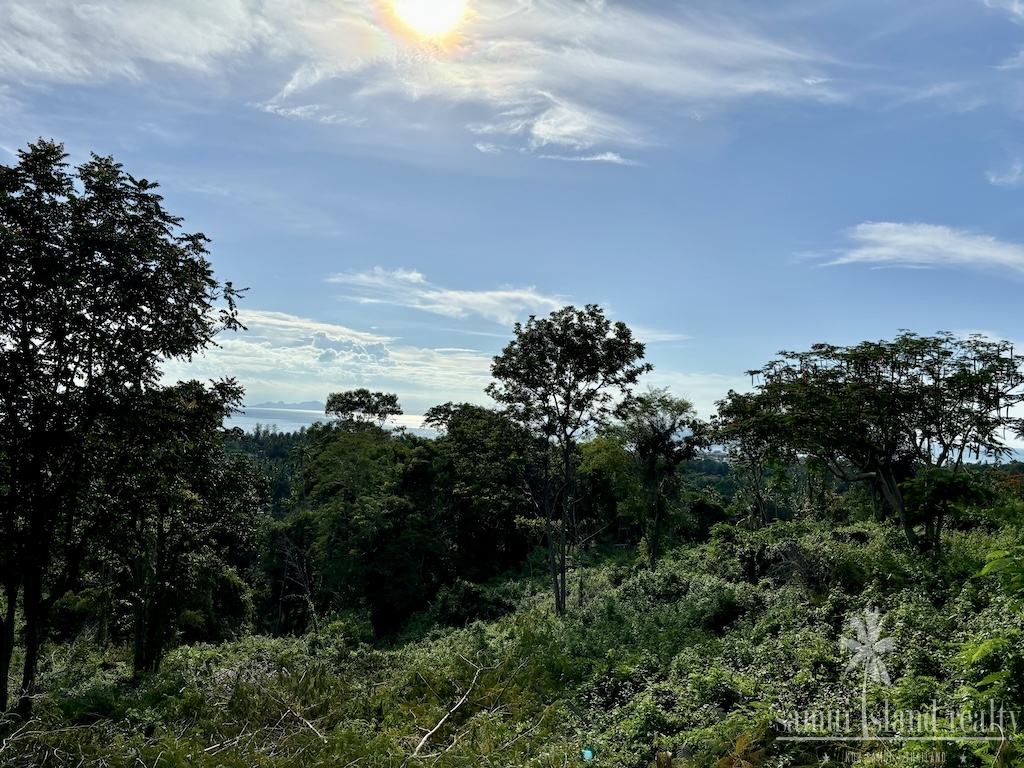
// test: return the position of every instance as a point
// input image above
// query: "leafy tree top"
(933, 401)
(662, 430)
(883, 411)
(99, 285)
(561, 374)
(362, 405)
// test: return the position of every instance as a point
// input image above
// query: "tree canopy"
(362, 405)
(560, 377)
(660, 432)
(882, 412)
(99, 287)
(561, 374)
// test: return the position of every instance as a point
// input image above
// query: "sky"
(730, 178)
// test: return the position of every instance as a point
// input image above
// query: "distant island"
(311, 405)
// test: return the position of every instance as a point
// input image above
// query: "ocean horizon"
(275, 419)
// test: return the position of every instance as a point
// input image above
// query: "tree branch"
(450, 712)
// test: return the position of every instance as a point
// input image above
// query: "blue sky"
(728, 178)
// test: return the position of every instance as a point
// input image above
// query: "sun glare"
(430, 18)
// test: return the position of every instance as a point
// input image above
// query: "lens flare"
(430, 19)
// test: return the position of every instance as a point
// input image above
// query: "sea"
(274, 419)
(293, 419)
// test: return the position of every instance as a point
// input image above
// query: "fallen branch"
(292, 712)
(450, 712)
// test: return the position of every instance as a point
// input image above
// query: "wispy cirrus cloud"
(1013, 62)
(284, 356)
(60, 41)
(1013, 8)
(409, 288)
(560, 73)
(317, 112)
(655, 335)
(895, 244)
(1012, 177)
(535, 73)
(603, 157)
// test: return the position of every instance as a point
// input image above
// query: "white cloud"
(8, 104)
(654, 335)
(1014, 62)
(60, 41)
(563, 73)
(603, 157)
(317, 112)
(488, 149)
(1012, 177)
(960, 96)
(927, 245)
(1015, 8)
(409, 288)
(285, 357)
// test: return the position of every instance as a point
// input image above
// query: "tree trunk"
(550, 501)
(653, 533)
(148, 629)
(148, 640)
(144, 612)
(566, 500)
(891, 492)
(7, 642)
(31, 601)
(562, 546)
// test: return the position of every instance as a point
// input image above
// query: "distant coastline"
(278, 417)
(280, 405)
(291, 417)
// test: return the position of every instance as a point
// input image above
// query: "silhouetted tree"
(98, 288)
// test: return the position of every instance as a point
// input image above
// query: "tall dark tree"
(661, 432)
(482, 482)
(758, 449)
(180, 514)
(99, 286)
(884, 412)
(560, 377)
(364, 533)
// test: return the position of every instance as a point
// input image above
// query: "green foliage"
(881, 412)
(99, 287)
(410, 618)
(179, 517)
(659, 432)
(361, 405)
(276, 456)
(1008, 565)
(696, 657)
(483, 483)
(559, 378)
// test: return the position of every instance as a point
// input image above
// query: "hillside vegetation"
(570, 576)
(700, 657)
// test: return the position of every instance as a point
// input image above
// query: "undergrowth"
(695, 663)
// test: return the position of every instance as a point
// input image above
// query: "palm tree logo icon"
(867, 650)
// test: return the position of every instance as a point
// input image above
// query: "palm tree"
(867, 649)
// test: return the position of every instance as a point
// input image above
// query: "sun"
(431, 18)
